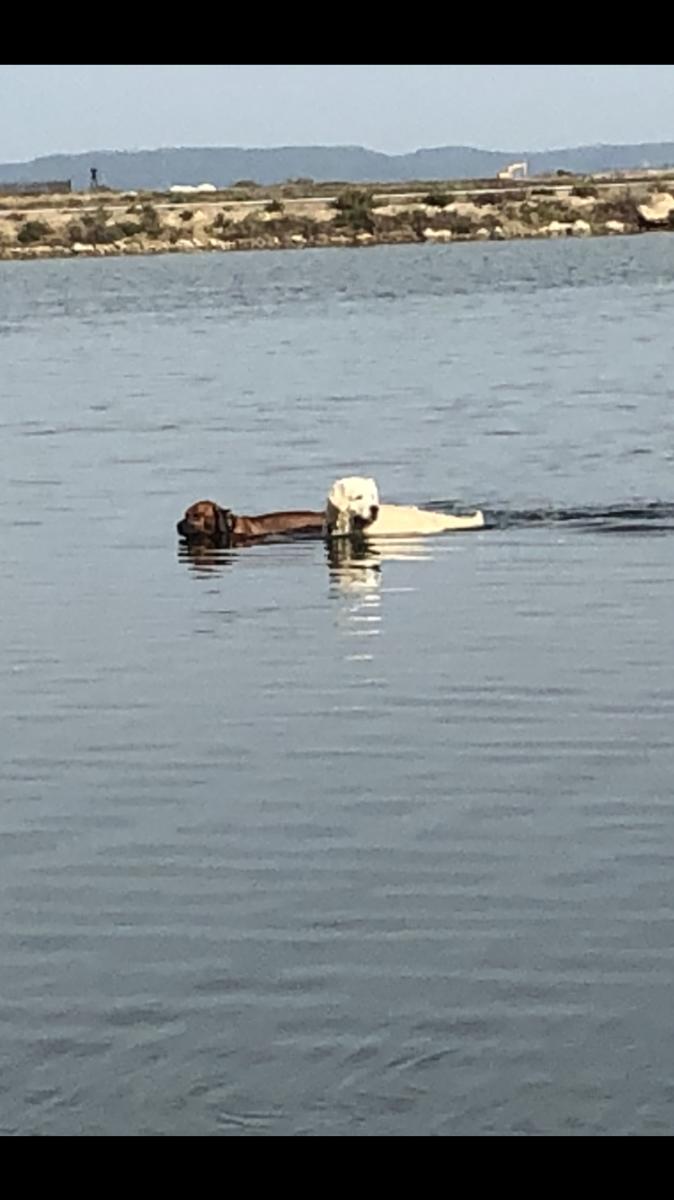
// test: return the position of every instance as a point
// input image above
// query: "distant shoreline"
(111, 224)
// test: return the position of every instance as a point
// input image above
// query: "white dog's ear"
(341, 494)
(337, 520)
(336, 494)
(372, 491)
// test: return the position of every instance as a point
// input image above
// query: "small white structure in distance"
(514, 171)
(187, 189)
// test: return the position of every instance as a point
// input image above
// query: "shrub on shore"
(458, 225)
(32, 232)
(617, 208)
(150, 221)
(253, 229)
(220, 227)
(98, 229)
(483, 198)
(437, 199)
(128, 229)
(543, 212)
(87, 231)
(354, 210)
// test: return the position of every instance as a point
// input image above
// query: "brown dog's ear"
(224, 520)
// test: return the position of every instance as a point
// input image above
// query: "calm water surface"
(376, 846)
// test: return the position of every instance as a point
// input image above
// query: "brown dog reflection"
(207, 522)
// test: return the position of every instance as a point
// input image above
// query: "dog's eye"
(358, 497)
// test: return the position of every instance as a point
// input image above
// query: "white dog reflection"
(353, 507)
(355, 564)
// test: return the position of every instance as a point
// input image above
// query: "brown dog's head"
(206, 521)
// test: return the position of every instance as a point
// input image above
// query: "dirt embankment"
(109, 223)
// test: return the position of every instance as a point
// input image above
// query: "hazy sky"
(47, 109)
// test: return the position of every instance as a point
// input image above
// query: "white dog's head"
(352, 505)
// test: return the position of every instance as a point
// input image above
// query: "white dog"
(353, 506)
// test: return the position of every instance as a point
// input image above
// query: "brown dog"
(207, 521)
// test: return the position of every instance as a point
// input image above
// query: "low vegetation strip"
(108, 223)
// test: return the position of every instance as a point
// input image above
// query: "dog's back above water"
(206, 521)
(353, 506)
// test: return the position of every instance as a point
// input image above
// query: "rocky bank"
(102, 224)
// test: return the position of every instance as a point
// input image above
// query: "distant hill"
(226, 165)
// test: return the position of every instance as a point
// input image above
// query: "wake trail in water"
(655, 516)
